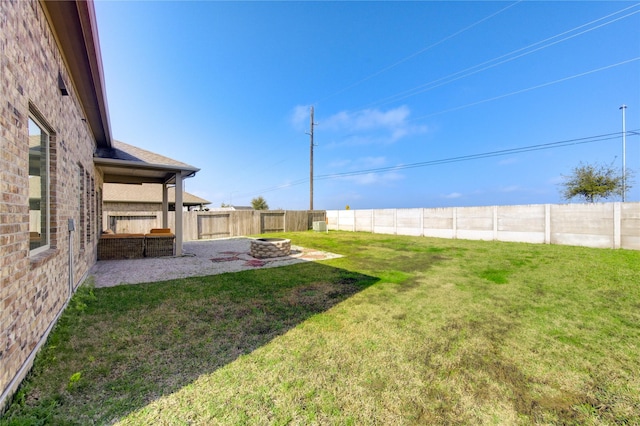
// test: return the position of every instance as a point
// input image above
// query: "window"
(87, 210)
(99, 210)
(93, 209)
(38, 187)
(81, 206)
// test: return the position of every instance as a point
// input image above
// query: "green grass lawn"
(401, 330)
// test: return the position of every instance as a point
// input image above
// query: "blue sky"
(407, 96)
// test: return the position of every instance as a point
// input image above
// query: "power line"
(275, 187)
(419, 52)
(528, 89)
(534, 47)
(475, 156)
(491, 63)
(530, 148)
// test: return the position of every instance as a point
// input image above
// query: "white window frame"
(45, 222)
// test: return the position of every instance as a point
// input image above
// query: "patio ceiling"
(133, 172)
(125, 163)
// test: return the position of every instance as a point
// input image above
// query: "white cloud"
(367, 119)
(511, 188)
(340, 163)
(300, 116)
(507, 161)
(556, 180)
(362, 163)
(375, 178)
(453, 195)
(398, 134)
(368, 162)
(371, 125)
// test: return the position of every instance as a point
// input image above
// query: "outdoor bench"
(159, 244)
(121, 246)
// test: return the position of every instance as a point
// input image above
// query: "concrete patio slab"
(200, 258)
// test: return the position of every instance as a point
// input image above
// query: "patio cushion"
(161, 231)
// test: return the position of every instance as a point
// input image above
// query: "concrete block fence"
(599, 225)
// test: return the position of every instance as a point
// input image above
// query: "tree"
(259, 203)
(592, 182)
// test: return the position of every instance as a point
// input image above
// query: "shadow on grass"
(117, 349)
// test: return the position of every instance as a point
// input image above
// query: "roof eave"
(186, 171)
(127, 171)
(75, 27)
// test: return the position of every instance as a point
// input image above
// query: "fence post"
(373, 221)
(547, 223)
(617, 225)
(454, 222)
(395, 221)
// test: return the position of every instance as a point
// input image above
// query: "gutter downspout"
(72, 227)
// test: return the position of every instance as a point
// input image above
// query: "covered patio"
(127, 164)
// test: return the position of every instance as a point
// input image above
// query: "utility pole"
(311, 161)
(624, 154)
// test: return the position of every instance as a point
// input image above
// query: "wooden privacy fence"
(601, 225)
(216, 224)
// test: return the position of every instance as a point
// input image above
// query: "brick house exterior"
(56, 153)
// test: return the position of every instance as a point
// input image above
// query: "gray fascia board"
(190, 171)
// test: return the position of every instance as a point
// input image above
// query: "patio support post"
(165, 206)
(178, 223)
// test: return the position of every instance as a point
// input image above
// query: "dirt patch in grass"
(320, 295)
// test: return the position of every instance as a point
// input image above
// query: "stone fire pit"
(264, 248)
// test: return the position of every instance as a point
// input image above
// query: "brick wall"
(116, 206)
(34, 289)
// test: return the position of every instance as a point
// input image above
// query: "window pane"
(38, 186)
